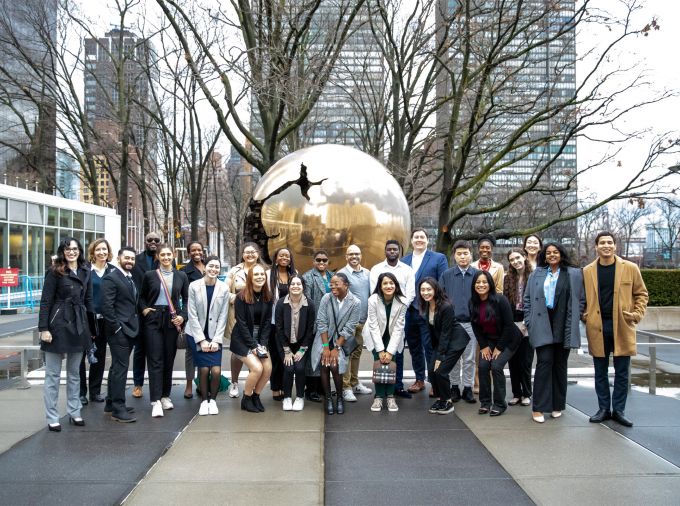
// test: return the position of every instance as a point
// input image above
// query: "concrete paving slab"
(596, 491)
(302, 493)
(55, 493)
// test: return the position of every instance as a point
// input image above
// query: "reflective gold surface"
(358, 202)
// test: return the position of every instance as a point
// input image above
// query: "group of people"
(462, 324)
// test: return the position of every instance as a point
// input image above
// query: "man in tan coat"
(616, 300)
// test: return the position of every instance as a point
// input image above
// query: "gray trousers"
(466, 362)
(52, 379)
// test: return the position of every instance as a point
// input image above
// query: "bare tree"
(589, 224)
(667, 228)
(626, 221)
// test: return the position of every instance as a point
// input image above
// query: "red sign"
(9, 277)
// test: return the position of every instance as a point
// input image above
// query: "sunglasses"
(321, 260)
(154, 239)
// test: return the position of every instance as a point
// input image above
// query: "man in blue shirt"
(457, 283)
(425, 264)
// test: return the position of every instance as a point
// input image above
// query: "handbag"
(181, 336)
(384, 374)
(224, 382)
(350, 342)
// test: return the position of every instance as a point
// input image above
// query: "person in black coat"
(249, 339)
(66, 328)
(294, 316)
(121, 326)
(449, 340)
(163, 319)
(498, 338)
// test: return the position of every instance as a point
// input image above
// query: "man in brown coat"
(616, 300)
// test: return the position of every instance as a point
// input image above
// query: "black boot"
(455, 393)
(329, 405)
(247, 404)
(341, 406)
(257, 402)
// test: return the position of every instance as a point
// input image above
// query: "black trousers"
(160, 342)
(520, 369)
(139, 356)
(120, 346)
(489, 369)
(605, 399)
(550, 379)
(440, 378)
(96, 370)
(276, 379)
(296, 372)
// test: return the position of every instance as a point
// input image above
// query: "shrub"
(663, 286)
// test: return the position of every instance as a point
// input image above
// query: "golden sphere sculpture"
(330, 196)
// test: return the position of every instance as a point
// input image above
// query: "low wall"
(661, 318)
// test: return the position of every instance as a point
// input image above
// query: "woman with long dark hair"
(449, 340)
(553, 303)
(532, 245)
(384, 332)
(280, 274)
(250, 337)
(208, 308)
(498, 337)
(519, 270)
(100, 255)
(163, 319)
(295, 316)
(65, 329)
(236, 281)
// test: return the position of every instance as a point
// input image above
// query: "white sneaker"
(348, 395)
(233, 390)
(203, 410)
(166, 402)
(212, 408)
(157, 409)
(377, 404)
(299, 404)
(288, 404)
(361, 389)
(392, 404)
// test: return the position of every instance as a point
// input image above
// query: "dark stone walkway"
(390, 458)
(96, 464)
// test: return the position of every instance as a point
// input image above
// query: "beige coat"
(630, 303)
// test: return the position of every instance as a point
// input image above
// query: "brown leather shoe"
(137, 392)
(418, 386)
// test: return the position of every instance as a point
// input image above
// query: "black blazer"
(192, 272)
(283, 316)
(119, 305)
(447, 334)
(151, 288)
(507, 334)
(66, 310)
(242, 340)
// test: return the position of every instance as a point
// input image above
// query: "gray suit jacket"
(198, 311)
(536, 312)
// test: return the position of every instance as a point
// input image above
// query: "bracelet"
(325, 345)
(302, 349)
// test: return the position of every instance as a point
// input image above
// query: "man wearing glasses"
(317, 284)
(144, 261)
(359, 285)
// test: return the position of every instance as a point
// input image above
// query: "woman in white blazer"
(384, 332)
(208, 307)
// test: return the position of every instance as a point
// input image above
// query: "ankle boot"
(257, 402)
(340, 409)
(247, 404)
(329, 405)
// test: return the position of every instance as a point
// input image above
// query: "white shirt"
(404, 274)
(416, 260)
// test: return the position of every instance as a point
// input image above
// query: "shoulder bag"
(181, 336)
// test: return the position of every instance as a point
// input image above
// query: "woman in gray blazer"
(384, 332)
(207, 310)
(553, 303)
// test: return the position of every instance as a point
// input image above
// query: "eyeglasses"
(249, 253)
(71, 250)
(153, 239)
(321, 260)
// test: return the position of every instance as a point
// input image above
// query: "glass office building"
(32, 224)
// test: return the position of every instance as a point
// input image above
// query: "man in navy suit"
(425, 263)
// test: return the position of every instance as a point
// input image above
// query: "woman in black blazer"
(161, 326)
(498, 338)
(449, 340)
(249, 339)
(66, 329)
(294, 317)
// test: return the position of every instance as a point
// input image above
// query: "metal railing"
(653, 344)
(27, 294)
